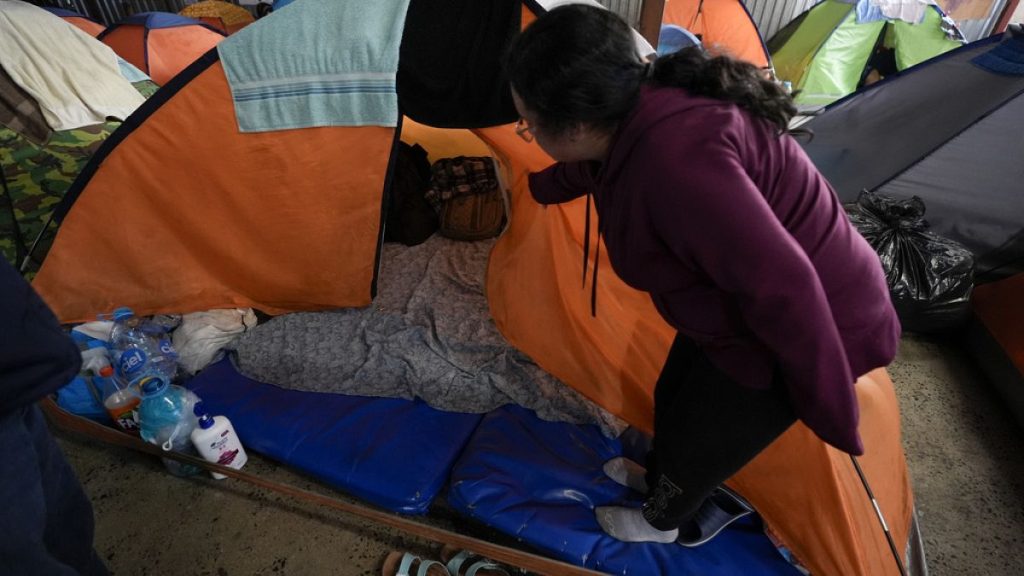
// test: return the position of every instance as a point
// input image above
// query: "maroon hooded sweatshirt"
(743, 247)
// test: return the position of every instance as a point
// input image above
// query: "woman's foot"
(628, 525)
(627, 473)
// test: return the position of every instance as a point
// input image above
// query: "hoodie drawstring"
(586, 259)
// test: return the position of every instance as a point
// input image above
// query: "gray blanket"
(428, 334)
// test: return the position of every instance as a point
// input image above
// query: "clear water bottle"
(166, 419)
(160, 328)
(137, 352)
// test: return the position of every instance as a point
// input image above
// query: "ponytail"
(725, 78)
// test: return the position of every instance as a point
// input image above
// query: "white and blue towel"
(318, 63)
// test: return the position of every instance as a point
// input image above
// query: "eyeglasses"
(524, 130)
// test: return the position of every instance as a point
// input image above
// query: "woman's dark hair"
(578, 64)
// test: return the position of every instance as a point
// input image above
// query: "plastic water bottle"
(216, 440)
(137, 353)
(166, 419)
(160, 328)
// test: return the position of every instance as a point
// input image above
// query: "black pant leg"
(47, 525)
(710, 429)
(677, 364)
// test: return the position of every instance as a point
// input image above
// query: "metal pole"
(881, 518)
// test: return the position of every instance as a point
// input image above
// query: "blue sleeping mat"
(389, 452)
(540, 482)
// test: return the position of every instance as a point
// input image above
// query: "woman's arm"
(563, 181)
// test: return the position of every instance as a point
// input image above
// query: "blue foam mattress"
(540, 482)
(389, 452)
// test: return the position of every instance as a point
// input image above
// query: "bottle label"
(167, 349)
(123, 409)
(131, 361)
(222, 447)
(227, 457)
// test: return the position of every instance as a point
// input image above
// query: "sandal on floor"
(722, 508)
(466, 563)
(399, 563)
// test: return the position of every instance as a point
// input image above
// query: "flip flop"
(399, 563)
(466, 563)
(722, 508)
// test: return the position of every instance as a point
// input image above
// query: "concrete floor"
(966, 459)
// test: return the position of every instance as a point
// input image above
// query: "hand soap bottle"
(215, 439)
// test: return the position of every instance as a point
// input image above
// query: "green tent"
(828, 51)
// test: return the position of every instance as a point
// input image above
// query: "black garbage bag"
(930, 278)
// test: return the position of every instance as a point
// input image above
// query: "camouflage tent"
(37, 163)
(35, 179)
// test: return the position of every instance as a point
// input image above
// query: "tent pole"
(19, 241)
(1004, 18)
(881, 518)
(35, 243)
(651, 12)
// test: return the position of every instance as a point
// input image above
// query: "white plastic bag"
(202, 335)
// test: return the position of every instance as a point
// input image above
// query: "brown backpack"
(468, 197)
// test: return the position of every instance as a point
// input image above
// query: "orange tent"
(722, 25)
(226, 17)
(83, 23)
(159, 43)
(996, 338)
(297, 224)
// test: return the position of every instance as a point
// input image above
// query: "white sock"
(626, 472)
(628, 525)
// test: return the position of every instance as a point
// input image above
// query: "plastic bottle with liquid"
(216, 440)
(120, 401)
(166, 419)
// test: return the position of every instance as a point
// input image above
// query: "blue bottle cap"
(123, 313)
(152, 386)
(205, 420)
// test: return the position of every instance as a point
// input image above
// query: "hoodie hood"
(655, 105)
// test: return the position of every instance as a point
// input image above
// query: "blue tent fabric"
(540, 481)
(1006, 58)
(393, 453)
(674, 38)
(158, 20)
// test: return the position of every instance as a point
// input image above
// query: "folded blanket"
(75, 80)
(292, 71)
(428, 334)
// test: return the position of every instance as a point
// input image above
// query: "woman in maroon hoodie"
(707, 204)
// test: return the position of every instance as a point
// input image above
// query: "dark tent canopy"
(949, 131)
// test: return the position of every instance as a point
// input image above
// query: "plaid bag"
(468, 198)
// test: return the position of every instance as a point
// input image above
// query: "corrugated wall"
(769, 15)
(628, 9)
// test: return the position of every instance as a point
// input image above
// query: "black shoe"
(722, 508)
